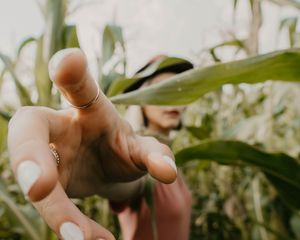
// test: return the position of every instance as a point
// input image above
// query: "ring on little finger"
(54, 153)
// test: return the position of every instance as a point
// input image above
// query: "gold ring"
(90, 103)
(54, 153)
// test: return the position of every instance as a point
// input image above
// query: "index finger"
(68, 69)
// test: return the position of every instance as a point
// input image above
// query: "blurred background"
(231, 201)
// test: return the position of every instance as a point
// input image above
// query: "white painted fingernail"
(70, 231)
(28, 173)
(170, 161)
(57, 58)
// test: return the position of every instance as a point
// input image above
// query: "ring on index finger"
(90, 103)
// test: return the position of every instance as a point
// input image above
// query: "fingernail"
(70, 231)
(57, 58)
(28, 173)
(170, 161)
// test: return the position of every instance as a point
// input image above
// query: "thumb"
(156, 158)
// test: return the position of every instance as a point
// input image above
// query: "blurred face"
(162, 119)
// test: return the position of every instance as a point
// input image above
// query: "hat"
(157, 65)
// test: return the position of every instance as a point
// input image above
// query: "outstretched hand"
(99, 152)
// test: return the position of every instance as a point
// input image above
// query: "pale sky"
(174, 27)
(18, 19)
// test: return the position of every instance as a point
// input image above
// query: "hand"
(99, 152)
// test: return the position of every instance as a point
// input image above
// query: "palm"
(97, 156)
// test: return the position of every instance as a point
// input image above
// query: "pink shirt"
(173, 204)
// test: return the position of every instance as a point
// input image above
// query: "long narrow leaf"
(239, 44)
(24, 44)
(189, 86)
(70, 37)
(55, 17)
(108, 44)
(292, 3)
(5, 115)
(55, 37)
(282, 170)
(2, 77)
(15, 209)
(23, 93)
(289, 193)
(42, 81)
(235, 2)
(111, 39)
(3, 133)
(291, 24)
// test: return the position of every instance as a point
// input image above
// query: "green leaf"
(291, 24)
(297, 40)
(239, 44)
(70, 37)
(199, 132)
(2, 77)
(292, 3)
(23, 93)
(23, 220)
(288, 193)
(149, 198)
(5, 115)
(205, 130)
(42, 80)
(53, 36)
(288, 22)
(235, 2)
(282, 170)
(24, 44)
(56, 36)
(187, 87)
(3, 133)
(295, 224)
(251, 2)
(277, 234)
(112, 37)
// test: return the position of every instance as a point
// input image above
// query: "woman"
(172, 202)
(80, 151)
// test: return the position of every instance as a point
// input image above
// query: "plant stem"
(257, 207)
(19, 215)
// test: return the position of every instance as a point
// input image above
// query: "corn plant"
(189, 86)
(21, 219)
(276, 175)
